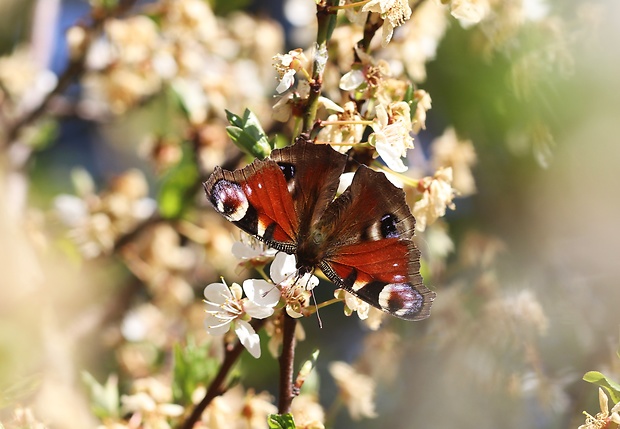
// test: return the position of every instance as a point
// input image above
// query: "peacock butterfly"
(362, 240)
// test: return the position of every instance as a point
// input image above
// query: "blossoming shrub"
(179, 296)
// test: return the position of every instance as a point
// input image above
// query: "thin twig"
(325, 17)
(130, 236)
(216, 388)
(286, 360)
(372, 25)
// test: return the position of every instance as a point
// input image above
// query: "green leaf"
(332, 20)
(43, 134)
(192, 367)
(82, 182)
(104, 398)
(178, 185)
(224, 7)
(410, 100)
(281, 421)
(247, 133)
(104, 4)
(612, 388)
(306, 369)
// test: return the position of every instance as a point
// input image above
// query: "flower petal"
(257, 311)
(345, 181)
(72, 210)
(248, 337)
(217, 293)
(282, 110)
(382, 118)
(283, 266)
(603, 401)
(330, 105)
(309, 281)
(216, 326)
(261, 292)
(293, 313)
(244, 251)
(288, 79)
(390, 154)
(352, 80)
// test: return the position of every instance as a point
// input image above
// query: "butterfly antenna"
(318, 316)
(273, 286)
(265, 293)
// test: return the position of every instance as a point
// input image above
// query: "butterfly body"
(362, 240)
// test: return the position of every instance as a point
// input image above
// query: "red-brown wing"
(257, 200)
(371, 252)
(312, 172)
(279, 198)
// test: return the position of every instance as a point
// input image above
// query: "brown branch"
(216, 388)
(325, 18)
(286, 360)
(372, 25)
(139, 229)
(73, 70)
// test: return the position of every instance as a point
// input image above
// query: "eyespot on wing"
(229, 199)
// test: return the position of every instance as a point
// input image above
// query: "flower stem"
(216, 387)
(350, 5)
(327, 303)
(373, 23)
(325, 123)
(263, 274)
(287, 359)
(326, 21)
(409, 181)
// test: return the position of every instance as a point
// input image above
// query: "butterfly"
(362, 239)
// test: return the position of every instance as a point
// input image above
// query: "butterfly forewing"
(312, 173)
(256, 199)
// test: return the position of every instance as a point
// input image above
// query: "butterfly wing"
(362, 240)
(277, 199)
(371, 252)
(312, 172)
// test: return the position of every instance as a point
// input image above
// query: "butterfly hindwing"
(372, 253)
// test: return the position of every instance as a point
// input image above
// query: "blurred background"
(107, 241)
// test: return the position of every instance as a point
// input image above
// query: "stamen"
(224, 322)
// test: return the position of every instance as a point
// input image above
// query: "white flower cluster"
(234, 306)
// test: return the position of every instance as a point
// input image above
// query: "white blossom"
(294, 288)
(226, 307)
(391, 135)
